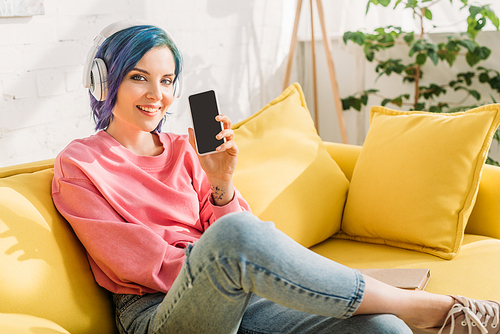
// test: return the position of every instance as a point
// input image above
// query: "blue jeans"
(246, 276)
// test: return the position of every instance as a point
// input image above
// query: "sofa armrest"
(485, 216)
(29, 167)
(13, 323)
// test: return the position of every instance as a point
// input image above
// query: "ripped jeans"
(246, 276)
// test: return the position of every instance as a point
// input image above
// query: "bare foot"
(426, 310)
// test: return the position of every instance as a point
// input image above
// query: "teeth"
(148, 109)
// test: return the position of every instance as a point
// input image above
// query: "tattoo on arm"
(217, 193)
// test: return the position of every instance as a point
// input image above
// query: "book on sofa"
(410, 279)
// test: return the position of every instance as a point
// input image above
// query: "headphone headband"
(99, 39)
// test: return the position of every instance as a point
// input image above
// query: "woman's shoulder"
(93, 145)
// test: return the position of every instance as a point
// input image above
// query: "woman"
(168, 234)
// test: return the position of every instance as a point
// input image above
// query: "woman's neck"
(138, 142)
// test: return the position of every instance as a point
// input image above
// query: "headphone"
(95, 72)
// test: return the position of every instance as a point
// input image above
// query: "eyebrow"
(146, 72)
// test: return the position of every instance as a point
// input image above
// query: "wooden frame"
(329, 59)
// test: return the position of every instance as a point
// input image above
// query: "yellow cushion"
(416, 179)
(48, 274)
(285, 172)
(27, 324)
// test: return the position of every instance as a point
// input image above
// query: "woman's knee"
(238, 227)
(236, 232)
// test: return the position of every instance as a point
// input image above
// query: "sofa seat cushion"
(472, 273)
(46, 274)
(285, 172)
(11, 323)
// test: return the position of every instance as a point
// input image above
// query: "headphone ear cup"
(98, 79)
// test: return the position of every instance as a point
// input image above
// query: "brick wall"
(234, 47)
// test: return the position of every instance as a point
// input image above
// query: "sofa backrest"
(45, 272)
(485, 216)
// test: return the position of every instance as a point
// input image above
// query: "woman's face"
(145, 93)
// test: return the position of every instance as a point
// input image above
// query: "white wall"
(234, 47)
(237, 48)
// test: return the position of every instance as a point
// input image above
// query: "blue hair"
(121, 52)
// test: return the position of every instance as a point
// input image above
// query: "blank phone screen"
(203, 112)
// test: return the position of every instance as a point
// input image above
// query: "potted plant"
(421, 50)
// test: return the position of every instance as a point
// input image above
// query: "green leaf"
(480, 24)
(369, 54)
(397, 101)
(467, 77)
(484, 52)
(468, 44)
(493, 18)
(452, 46)
(364, 99)
(484, 77)
(419, 106)
(384, 3)
(475, 94)
(411, 4)
(435, 109)
(417, 47)
(480, 53)
(421, 58)
(427, 13)
(347, 36)
(433, 55)
(474, 24)
(409, 37)
(356, 104)
(345, 104)
(351, 102)
(357, 37)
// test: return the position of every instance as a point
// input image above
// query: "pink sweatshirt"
(135, 214)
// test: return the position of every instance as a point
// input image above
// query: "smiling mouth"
(149, 110)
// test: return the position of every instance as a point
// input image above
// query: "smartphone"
(204, 109)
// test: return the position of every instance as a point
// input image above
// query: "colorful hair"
(121, 52)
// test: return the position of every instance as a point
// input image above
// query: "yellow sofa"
(46, 285)
(46, 281)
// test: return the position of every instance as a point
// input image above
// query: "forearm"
(222, 191)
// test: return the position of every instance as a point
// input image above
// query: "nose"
(154, 92)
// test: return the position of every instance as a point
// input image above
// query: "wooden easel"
(329, 59)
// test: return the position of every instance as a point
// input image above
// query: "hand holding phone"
(204, 109)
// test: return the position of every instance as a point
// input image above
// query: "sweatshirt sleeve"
(125, 258)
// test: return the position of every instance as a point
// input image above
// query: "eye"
(137, 77)
(167, 81)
